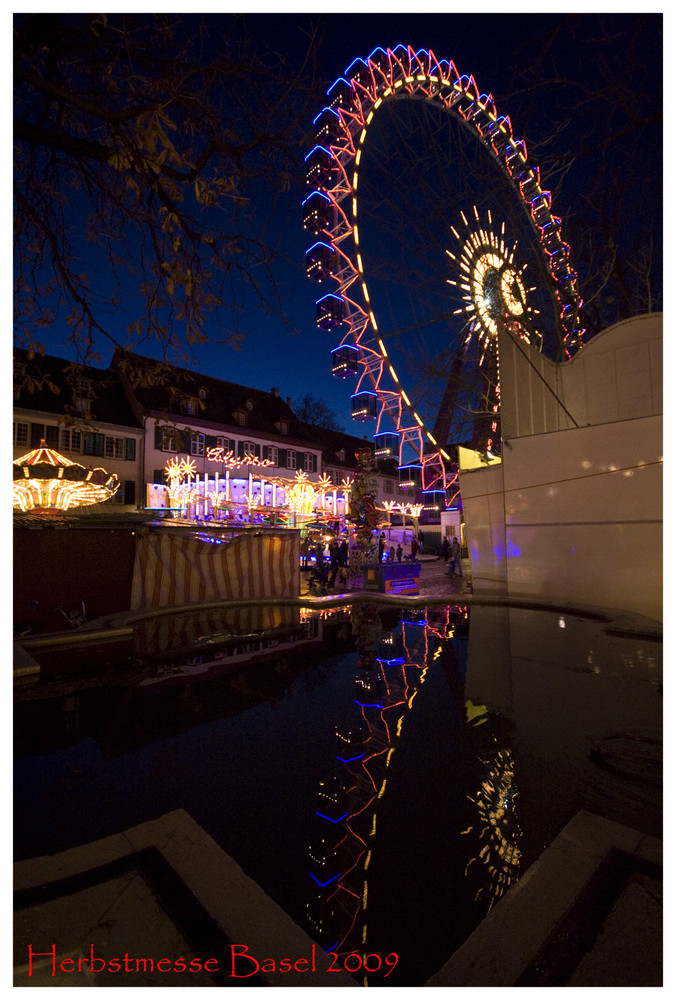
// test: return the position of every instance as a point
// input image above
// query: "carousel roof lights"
(45, 479)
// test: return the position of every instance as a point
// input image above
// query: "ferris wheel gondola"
(334, 213)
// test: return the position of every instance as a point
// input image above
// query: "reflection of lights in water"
(640, 658)
(334, 912)
(494, 799)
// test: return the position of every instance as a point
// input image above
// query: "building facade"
(140, 416)
(83, 415)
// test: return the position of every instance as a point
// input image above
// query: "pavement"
(588, 912)
(433, 582)
(161, 904)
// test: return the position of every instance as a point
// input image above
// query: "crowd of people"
(330, 564)
(326, 570)
(391, 554)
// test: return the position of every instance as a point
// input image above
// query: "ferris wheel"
(486, 283)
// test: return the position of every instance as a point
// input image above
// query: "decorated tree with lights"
(363, 511)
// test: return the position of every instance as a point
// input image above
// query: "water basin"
(385, 772)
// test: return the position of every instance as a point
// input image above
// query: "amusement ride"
(486, 278)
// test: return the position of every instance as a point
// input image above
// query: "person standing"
(381, 547)
(455, 564)
(414, 548)
(321, 565)
(400, 552)
(343, 554)
(446, 548)
(333, 557)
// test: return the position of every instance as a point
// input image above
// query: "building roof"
(135, 386)
(48, 384)
(155, 387)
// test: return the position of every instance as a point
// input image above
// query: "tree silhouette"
(141, 144)
(316, 412)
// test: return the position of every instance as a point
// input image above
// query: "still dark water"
(384, 776)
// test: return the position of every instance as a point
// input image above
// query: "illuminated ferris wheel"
(490, 278)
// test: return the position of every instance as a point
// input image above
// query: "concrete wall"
(574, 513)
(617, 376)
(483, 503)
(583, 515)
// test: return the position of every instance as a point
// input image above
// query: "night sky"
(497, 49)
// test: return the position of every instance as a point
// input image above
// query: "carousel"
(44, 480)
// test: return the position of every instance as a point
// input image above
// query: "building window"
(249, 448)
(70, 441)
(52, 436)
(20, 435)
(242, 417)
(291, 460)
(83, 406)
(389, 486)
(272, 454)
(19, 372)
(197, 444)
(94, 444)
(83, 397)
(191, 405)
(168, 440)
(225, 443)
(309, 462)
(114, 447)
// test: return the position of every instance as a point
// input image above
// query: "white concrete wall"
(574, 513)
(482, 492)
(617, 376)
(583, 514)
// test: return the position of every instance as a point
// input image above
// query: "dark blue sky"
(496, 49)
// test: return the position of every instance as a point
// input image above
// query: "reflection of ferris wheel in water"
(486, 283)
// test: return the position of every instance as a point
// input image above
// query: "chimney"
(274, 391)
(288, 401)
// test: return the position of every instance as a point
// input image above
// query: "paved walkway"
(434, 580)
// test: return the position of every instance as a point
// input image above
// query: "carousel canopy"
(45, 479)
